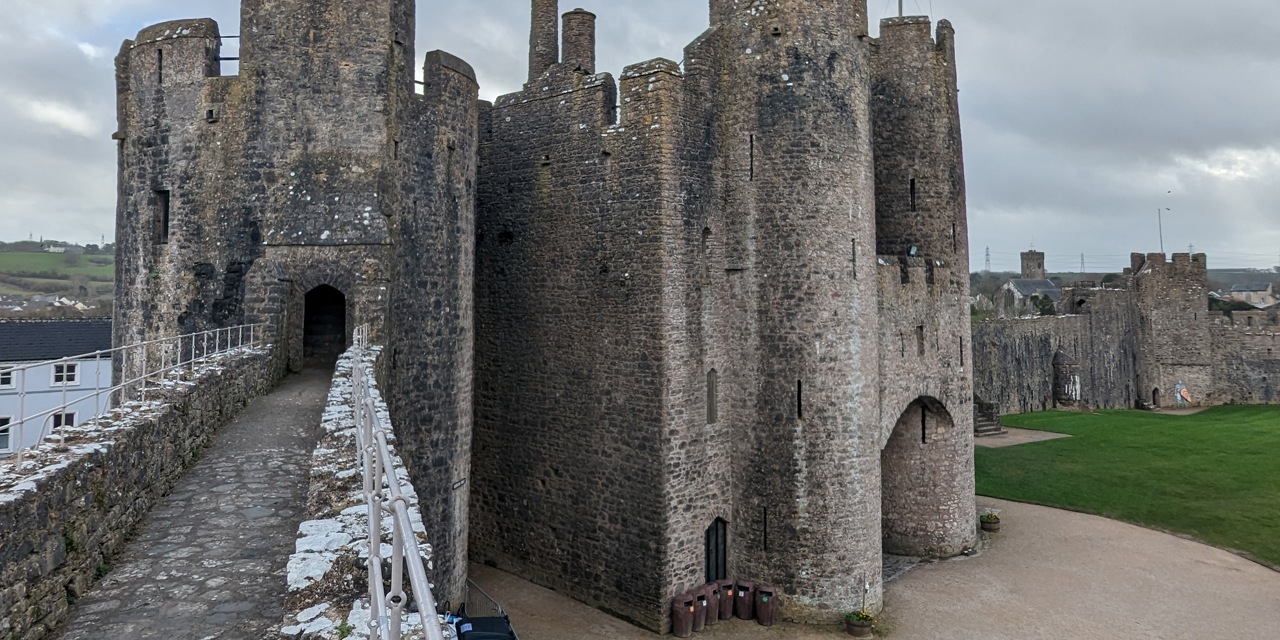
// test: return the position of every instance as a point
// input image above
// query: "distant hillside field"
(53, 273)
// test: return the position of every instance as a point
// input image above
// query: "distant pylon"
(988, 269)
(1082, 263)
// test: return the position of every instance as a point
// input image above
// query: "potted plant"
(859, 623)
(990, 522)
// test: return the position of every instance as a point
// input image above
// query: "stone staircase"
(986, 419)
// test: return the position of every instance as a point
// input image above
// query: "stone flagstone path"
(210, 560)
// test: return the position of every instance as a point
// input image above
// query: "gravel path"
(1047, 574)
(210, 560)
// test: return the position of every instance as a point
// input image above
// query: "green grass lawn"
(1214, 476)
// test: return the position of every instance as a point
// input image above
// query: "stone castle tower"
(315, 191)
(715, 315)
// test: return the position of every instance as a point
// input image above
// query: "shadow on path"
(210, 559)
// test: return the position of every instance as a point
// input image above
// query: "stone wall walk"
(210, 559)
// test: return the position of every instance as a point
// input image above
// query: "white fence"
(382, 491)
(140, 365)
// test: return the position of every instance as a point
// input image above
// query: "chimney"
(580, 40)
(544, 46)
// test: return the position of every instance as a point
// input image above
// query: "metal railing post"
(142, 381)
(20, 447)
(382, 491)
(97, 384)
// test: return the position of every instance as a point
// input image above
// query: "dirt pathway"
(1049, 574)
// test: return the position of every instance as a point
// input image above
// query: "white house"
(42, 386)
(1260, 294)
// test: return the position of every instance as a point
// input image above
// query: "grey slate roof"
(1260, 287)
(1044, 288)
(38, 340)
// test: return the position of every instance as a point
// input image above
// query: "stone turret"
(920, 187)
(544, 43)
(793, 113)
(580, 41)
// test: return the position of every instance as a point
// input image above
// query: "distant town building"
(40, 376)
(1261, 295)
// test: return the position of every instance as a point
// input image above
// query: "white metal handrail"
(139, 364)
(382, 492)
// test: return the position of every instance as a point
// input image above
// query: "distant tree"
(1044, 305)
(1110, 278)
(1227, 306)
(92, 249)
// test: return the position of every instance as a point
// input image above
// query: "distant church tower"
(1033, 265)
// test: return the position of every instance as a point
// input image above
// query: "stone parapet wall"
(328, 587)
(75, 504)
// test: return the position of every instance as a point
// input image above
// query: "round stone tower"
(920, 187)
(797, 187)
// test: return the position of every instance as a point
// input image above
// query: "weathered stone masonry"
(1131, 344)
(727, 295)
(307, 193)
(682, 317)
(64, 524)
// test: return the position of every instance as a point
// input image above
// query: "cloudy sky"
(1081, 119)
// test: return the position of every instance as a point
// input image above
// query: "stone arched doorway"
(915, 476)
(1155, 397)
(324, 326)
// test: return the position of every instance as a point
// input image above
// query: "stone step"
(987, 428)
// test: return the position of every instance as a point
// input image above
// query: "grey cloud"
(1078, 116)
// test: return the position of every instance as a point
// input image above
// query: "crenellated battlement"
(1158, 265)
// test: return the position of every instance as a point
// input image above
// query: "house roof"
(1259, 287)
(38, 340)
(1044, 288)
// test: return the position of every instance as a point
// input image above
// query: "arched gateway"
(324, 326)
(916, 480)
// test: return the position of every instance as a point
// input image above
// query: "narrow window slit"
(752, 174)
(713, 392)
(162, 216)
(800, 399)
(913, 194)
(765, 528)
(924, 425)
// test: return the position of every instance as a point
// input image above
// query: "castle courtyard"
(1048, 574)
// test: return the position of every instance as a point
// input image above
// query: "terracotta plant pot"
(991, 526)
(858, 628)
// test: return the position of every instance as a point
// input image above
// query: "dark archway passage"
(1155, 397)
(913, 478)
(324, 328)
